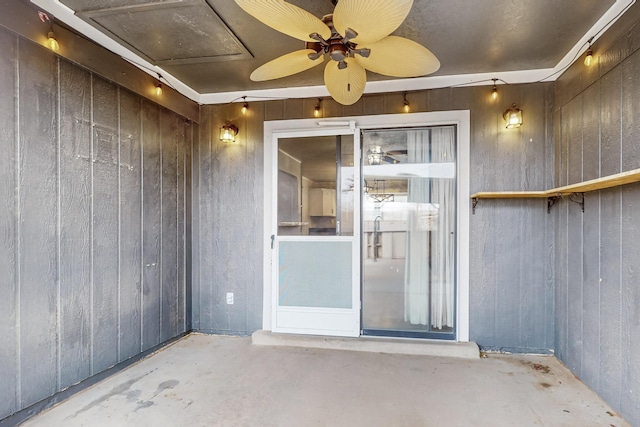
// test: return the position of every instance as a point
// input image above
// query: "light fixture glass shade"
(52, 42)
(346, 86)
(286, 65)
(372, 19)
(228, 133)
(494, 93)
(158, 89)
(286, 18)
(588, 59)
(245, 108)
(513, 117)
(399, 57)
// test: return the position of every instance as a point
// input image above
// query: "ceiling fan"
(356, 37)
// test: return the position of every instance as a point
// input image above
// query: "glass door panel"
(408, 232)
(317, 272)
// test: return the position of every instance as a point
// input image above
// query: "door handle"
(273, 237)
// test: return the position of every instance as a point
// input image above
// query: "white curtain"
(430, 263)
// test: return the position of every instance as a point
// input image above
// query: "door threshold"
(408, 346)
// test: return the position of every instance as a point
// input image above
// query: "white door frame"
(282, 128)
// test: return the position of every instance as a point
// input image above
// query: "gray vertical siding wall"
(511, 249)
(94, 208)
(597, 266)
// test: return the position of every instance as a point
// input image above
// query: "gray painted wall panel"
(130, 225)
(630, 107)
(197, 208)
(104, 249)
(71, 223)
(181, 309)
(9, 366)
(605, 299)
(591, 289)
(190, 218)
(610, 286)
(591, 134)
(204, 289)
(630, 310)
(38, 250)
(151, 216)
(610, 90)
(169, 231)
(75, 224)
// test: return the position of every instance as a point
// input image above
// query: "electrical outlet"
(229, 297)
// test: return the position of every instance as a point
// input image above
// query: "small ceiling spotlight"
(513, 117)
(317, 111)
(494, 90)
(245, 106)
(228, 133)
(406, 107)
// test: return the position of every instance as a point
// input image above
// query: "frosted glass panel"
(315, 274)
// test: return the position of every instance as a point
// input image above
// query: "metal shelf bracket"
(474, 203)
(552, 200)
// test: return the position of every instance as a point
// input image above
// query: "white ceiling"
(206, 49)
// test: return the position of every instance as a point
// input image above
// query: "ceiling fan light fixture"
(228, 133)
(513, 117)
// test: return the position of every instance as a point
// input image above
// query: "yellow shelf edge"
(609, 181)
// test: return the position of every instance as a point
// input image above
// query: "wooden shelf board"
(510, 195)
(609, 181)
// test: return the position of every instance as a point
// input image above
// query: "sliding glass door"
(316, 243)
(409, 232)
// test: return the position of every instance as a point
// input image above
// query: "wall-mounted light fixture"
(158, 89)
(228, 133)
(494, 90)
(374, 155)
(513, 117)
(52, 42)
(245, 106)
(588, 58)
(406, 107)
(317, 112)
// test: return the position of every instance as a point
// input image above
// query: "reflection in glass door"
(408, 232)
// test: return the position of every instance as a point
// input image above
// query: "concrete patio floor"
(206, 380)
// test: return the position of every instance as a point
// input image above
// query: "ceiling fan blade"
(345, 85)
(286, 18)
(286, 65)
(399, 57)
(372, 19)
